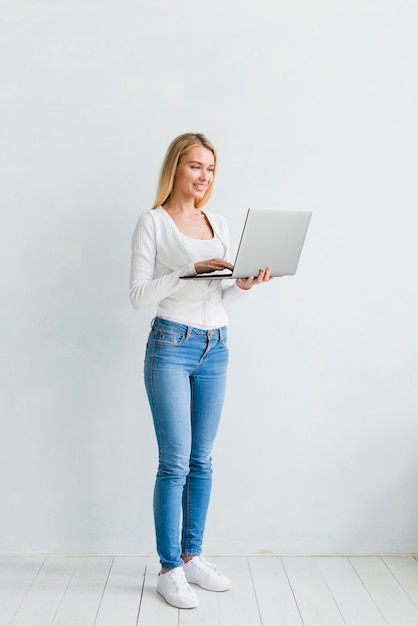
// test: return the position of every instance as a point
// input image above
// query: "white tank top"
(203, 249)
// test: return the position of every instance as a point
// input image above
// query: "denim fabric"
(185, 376)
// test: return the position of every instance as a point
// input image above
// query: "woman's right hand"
(212, 265)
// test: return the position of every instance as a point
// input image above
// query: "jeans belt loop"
(217, 333)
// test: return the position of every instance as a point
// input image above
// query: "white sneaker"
(175, 590)
(202, 573)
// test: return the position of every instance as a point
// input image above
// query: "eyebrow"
(200, 163)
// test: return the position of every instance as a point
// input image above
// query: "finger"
(260, 277)
(245, 283)
(264, 275)
(222, 264)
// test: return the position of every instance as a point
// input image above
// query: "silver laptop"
(269, 238)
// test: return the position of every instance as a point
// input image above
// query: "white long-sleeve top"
(160, 257)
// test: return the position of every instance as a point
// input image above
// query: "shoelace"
(179, 579)
(211, 566)
(204, 566)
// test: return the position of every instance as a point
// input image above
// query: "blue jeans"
(185, 376)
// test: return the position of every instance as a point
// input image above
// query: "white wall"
(312, 105)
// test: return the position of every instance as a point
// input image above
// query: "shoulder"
(151, 219)
(150, 216)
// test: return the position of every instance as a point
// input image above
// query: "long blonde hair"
(177, 148)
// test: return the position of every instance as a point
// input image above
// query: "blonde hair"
(177, 148)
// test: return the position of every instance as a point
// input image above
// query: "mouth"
(199, 187)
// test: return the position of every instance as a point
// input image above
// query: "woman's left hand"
(247, 283)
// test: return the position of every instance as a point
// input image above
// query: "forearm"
(145, 289)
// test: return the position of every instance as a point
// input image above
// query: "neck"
(177, 205)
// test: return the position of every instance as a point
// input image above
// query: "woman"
(186, 357)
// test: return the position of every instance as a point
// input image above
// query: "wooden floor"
(267, 591)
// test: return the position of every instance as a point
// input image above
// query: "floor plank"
(393, 602)
(81, 601)
(405, 570)
(266, 591)
(312, 594)
(122, 596)
(17, 574)
(206, 614)
(154, 610)
(275, 598)
(238, 606)
(43, 599)
(353, 600)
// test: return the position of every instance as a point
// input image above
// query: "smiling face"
(194, 174)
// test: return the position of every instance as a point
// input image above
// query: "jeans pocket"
(168, 336)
